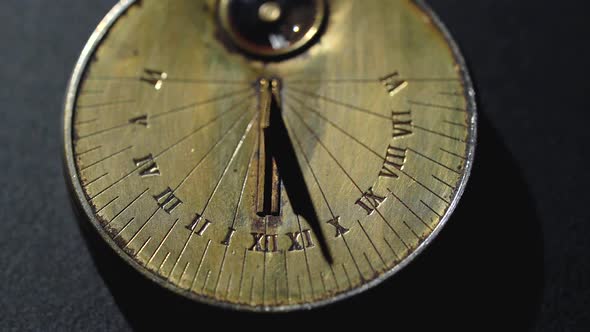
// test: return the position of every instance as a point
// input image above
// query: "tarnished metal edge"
(79, 196)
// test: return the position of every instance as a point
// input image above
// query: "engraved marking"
(453, 154)
(206, 280)
(105, 158)
(306, 261)
(409, 209)
(428, 189)
(322, 277)
(208, 101)
(228, 286)
(182, 274)
(315, 112)
(334, 276)
(234, 154)
(372, 243)
(315, 135)
(252, 290)
(442, 181)
(369, 262)
(91, 92)
(462, 125)
(147, 166)
(401, 123)
(393, 83)
(162, 242)
(164, 261)
(141, 120)
(296, 244)
(230, 233)
(143, 246)
(128, 205)
(369, 201)
(391, 248)
(270, 243)
(195, 223)
(88, 151)
(276, 290)
(300, 289)
(395, 158)
(434, 161)
(220, 271)
(117, 102)
(124, 227)
(340, 230)
(242, 274)
(439, 134)
(336, 102)
(142, 227)
(170, 147)
(167, 201)
(81, 123)
(347, 276)
(430, 208)
(366, 80)
(102, 131)
(200, 264)
(109, 203)
(435, 106)
(155, 78)
(231, 230)
(454, 94)
(92, 181)
(287, 279)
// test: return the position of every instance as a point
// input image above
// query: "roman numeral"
(155, 78)
(393, 83)
(167, 201)
(228, 236)
(370, 201)
(141, 120)
(195, 224)
(340, 230)
(402, 123)
(297, 243)
(264, 243)
(148, 166)
(395, 158)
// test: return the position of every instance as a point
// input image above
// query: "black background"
(515, 256)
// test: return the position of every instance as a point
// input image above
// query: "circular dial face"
(269, 185)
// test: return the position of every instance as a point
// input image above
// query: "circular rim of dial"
(75, 185)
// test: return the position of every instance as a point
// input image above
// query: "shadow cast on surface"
(483, 272)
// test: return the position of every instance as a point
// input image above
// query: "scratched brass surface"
(136, 132)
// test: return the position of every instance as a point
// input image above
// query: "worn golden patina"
(269, 183)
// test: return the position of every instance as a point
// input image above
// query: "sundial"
(269, 155)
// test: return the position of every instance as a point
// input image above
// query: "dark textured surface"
(516, 256)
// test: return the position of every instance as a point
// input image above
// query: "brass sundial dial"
(269, 155)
